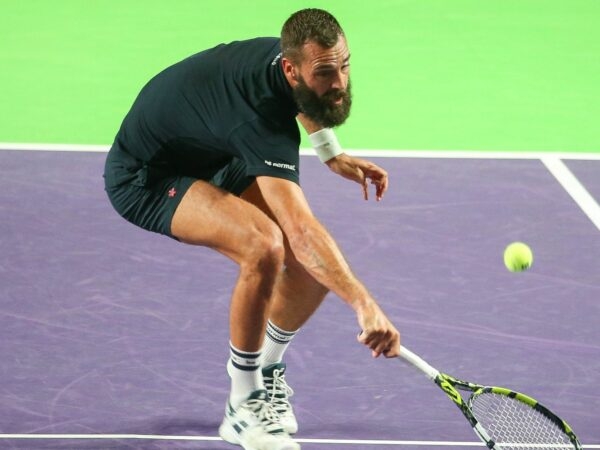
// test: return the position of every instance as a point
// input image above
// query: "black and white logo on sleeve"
(278, 165)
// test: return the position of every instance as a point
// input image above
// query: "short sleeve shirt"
(193, 118)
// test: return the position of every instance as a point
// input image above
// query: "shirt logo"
(277, 58)
(280, 165)
(172, 192)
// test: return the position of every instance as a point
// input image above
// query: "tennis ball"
(518, 257)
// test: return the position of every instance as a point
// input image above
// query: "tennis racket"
(503, 419)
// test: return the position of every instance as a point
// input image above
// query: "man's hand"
(362, 172)
(377, 333)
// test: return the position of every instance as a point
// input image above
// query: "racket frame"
(451, 385)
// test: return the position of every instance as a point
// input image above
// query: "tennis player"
(209, 155)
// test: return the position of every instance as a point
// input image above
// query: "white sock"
(246, 377)
(276, 343)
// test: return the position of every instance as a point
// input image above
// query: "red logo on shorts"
(172, 192)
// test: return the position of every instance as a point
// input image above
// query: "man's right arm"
(315, 249)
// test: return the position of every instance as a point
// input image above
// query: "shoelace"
(279, 391)
(266, 413)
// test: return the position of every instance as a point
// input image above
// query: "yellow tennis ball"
(518, 257)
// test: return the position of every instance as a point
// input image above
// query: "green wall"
(427, 74)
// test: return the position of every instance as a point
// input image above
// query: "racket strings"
(515, 425)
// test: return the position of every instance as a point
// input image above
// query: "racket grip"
(419, 363)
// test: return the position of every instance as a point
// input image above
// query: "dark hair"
(308, 25)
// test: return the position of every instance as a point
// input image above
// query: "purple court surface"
(115, 338)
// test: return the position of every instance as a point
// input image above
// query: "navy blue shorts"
(151, 205)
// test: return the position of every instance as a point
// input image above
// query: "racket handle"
(419, 363)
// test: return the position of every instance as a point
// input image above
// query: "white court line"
(215, 439)
(53, 147)
(575, 189)
(466, 154)
(458, 154)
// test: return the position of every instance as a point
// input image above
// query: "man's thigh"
(210, 216)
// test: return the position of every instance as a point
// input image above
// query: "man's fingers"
(379, 180)
(382, 188)
(380, 343)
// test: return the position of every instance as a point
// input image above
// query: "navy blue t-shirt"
(193, 118)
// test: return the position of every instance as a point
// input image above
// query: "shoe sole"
(289, 426)
(228, 434)
(289, 429)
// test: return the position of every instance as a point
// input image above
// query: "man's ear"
(288, 69)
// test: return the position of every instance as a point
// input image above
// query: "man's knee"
(265, 249)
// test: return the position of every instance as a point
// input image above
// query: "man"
(209, 155)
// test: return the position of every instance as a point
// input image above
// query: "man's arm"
(315, 249)
(352, 168)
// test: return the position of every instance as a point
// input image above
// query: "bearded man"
(209, 155)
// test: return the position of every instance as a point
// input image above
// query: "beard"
(322, 109)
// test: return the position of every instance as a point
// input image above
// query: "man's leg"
(296, 296)
(211, 217)
(214, 218)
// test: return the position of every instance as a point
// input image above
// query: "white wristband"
(326, 144)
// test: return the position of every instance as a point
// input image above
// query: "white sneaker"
(279, 394)
(254, 425)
